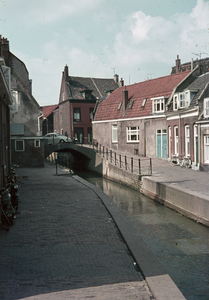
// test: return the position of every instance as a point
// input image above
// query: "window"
(175, 102)
(176, 140)
(37, 143)
(206, 107)
(114, 133)
(133, 134)
(206, 149)
(19, 145)
(91, 109)
(144, 102)
(76, 114)
(187, 140)
(182, 100)
(158, 105)
(131, 104)
(119, 106)
(196, 145)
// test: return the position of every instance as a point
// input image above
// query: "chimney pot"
(121, 82)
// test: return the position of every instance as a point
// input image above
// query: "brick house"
(188, 122)
(78, 96)
(27, 147)
(133, 119)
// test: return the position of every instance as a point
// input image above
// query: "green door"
(159, 145)
(164, 145)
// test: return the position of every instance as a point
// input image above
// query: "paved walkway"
(195, 182)
(65, 245)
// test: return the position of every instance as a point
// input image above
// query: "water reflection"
(180, 244)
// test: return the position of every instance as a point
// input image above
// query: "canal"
(181, 245)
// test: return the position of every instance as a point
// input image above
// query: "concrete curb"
(159, 282)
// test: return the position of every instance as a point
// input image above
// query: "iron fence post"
(115, 158)
(120, 159)
(132, 165)
(139, 167)
(151, 166)
(125, 163)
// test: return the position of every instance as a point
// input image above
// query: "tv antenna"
(199, 54)
(113, 70)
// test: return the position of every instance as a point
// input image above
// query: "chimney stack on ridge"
(125, 100)
(178, 64)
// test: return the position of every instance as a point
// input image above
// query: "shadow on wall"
(31, 156)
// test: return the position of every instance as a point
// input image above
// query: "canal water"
(181, 245)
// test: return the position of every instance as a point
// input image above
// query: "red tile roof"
(47, 110)
(163, 86)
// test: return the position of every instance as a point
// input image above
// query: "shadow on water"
(181, 245)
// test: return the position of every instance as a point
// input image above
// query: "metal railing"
(141, 166)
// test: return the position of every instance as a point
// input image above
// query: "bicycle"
(175, 160)
(180, 160)
(186, 162)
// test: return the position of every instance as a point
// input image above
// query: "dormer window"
(158, 104)
(183, 99)
(108, 92)
(86, 94)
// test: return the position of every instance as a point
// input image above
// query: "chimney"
(178, 64)
(66, 73)
(4, 49)
(116, 78)
(125, 100)
(121, 82)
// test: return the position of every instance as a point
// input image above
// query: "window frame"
(187, 140)
(76, 119)
(23, 146)
(39, 143)
(158, 101)
(131, 132)
(115, 133)
(176, 140)
(206, 144)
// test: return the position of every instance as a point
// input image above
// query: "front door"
(161, 143)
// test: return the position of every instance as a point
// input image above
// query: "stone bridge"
(81, 155)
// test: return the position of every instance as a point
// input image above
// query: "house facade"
(188, 122)
(78, 96)
(27, 147)
(133, 118)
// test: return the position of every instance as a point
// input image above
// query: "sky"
(136, 39)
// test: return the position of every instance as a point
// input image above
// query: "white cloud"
(146, 44)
